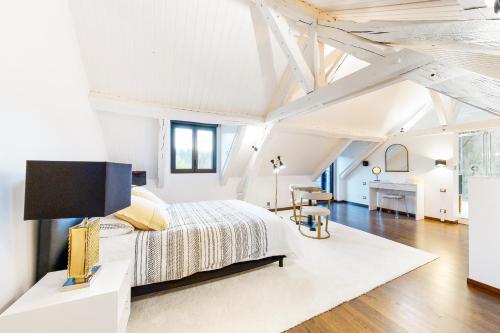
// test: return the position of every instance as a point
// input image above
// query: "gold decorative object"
(83, 253)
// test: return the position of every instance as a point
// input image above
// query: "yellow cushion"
(144, 214)
(144, 193)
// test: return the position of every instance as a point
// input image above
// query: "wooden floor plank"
(432, 298)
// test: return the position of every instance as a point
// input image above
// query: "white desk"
(104, 307)
(414, 194)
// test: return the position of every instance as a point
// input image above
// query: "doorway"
(325, 181)
(479, 153)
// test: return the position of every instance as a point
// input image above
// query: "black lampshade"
(61, 189)
(139, 178)
(440, 163)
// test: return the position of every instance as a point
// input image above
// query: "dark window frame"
(194, 127)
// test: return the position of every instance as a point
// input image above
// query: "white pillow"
(112, 226)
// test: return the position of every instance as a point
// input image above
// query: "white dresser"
(414, 194)
(104, 307)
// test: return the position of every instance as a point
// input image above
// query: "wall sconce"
(440, 163)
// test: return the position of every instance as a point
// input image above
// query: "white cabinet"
(102, 307)
(484, 230)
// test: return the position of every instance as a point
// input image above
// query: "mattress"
(202, 236)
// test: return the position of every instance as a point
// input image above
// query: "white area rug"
(273, 299)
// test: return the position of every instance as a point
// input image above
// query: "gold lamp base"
(76, 283)
(83, 254)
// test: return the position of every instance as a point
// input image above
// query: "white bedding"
(280, 239)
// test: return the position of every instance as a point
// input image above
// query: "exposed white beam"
(445, 108)
(356, 162)
(380, 74)
(287, 82)
(457, 128)
(332, 156)
(297, 10)
(233, 152)
(361, 11)
(465, 86)
(354, 45)
(279, 27)
(163, 157)
(336, 134)
(252, 168)
(479, 35)
(335, 59)
(318, 61)
(113, 104)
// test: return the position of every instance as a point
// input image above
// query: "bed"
(205, 240)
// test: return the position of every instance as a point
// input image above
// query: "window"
(193, 147)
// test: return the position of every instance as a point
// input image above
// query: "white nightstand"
(102, 307)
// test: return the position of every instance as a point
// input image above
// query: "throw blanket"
(201, 236)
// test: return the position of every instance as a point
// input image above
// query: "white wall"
(262, 190)
(132, 139)
(45, 115)
(423, 151)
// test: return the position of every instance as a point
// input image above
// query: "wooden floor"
(432, 298)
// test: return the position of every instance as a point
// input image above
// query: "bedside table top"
(48, 291)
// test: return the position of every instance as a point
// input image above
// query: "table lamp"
(64, 189)
(376, 171)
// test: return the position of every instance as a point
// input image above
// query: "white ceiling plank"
(101, 102)
(380, 74)
(356, 162)
(332, 156)
(480, 35)
(233, 152)
(279, 26)
(253, 166)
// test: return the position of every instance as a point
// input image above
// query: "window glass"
(205, 149)
(183, 148)
(193, 147)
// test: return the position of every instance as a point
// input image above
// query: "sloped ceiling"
(301, 153)
(212, 55)
(373, 114)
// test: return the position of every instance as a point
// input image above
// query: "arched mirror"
(396, 159)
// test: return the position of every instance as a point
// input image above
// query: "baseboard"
(436, 219)
(351, 203)
(483, 286)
